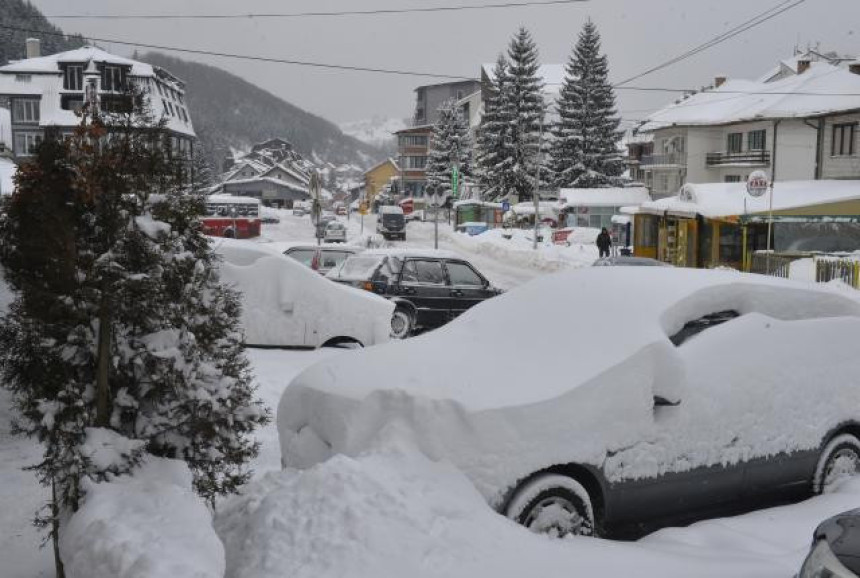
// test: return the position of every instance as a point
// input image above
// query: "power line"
(250, 57)
(376, 12)
(757, 20)
(390, 70)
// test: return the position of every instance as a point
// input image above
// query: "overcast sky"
(636, 34)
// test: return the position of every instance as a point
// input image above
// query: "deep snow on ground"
(393, 513)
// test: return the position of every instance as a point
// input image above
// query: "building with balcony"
(413, 153)
(429, 98)
(797, 123)
(47, 91)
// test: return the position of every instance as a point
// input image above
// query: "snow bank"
(394, 513)
(150, 525)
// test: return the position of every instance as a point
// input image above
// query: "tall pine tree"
(584, 152)
(492, 138)
(121, 332)
(524, 111)
(450, 145)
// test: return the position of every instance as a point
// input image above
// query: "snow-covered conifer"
(450, 145)
(584, 152)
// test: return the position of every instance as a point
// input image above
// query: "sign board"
(455, 181)
(362, 208)
(506, 206)
(757, 183)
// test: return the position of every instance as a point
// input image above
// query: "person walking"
(604, 243)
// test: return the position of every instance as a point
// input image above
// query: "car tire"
(840, 459)
(402, 323)
(554, 505)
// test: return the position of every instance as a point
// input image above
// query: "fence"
(825, 267)
(777, 266)
(832, 268)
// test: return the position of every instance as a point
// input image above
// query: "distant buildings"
(797, 123)
(378, 176)
(272, 172)
(46, 91)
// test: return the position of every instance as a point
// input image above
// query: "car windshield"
(303, 256)
(360, 267)
(331, 259)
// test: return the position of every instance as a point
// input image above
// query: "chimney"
(854, 68)
(719, 81)
(803, 65)
(34, 48)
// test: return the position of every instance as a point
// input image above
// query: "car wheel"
(839, 460)
(401, 323)
(555, 505)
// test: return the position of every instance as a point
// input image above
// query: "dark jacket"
(604, 241)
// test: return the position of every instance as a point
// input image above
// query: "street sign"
(362, 208)
(757, 183)
(506, 206)
(455, 181)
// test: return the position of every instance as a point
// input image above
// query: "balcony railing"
(667, 159)
(746, 158)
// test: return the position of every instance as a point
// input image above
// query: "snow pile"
(150, 525)
(518, 249)
(7, 172)
(394, 513)
(287, 304)
(603, 350)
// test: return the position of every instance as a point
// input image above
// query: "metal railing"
(744, 158)
(667, 159)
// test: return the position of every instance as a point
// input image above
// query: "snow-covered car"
(335, 232)
(626, 261)
(320, 258)
(285, 304)
(723, 391)
(835, 551)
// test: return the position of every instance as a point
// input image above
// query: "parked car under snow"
(722, 392)
(286, 304)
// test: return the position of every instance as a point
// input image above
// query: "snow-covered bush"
(150, 525)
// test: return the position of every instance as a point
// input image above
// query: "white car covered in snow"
(655, 396)
(285, 304)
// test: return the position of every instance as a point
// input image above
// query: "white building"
(796, 124)
(46, 91)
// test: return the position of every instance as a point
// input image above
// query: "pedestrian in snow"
(604, 242)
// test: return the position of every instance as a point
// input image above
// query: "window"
(735, 142)
(732, 178)
(73, 77)
(23, 77)
(756, 140)
(112, 78)
(843, 140)
(416, 162)
(25, 111)
(26, 143)
(72, 102)
(462, 274)
(413, 140)
(303, 256)
(427, 272)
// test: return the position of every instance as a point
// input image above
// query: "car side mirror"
(660, 401)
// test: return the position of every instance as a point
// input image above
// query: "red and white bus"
(230, 216)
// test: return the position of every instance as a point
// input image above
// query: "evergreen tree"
(120, 333)
(450, 145)
(524, 111)
(584, 153)
(492, 148)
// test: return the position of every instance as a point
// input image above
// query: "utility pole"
(537, 185)
(770, 200)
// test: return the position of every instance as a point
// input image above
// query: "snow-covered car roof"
(513, 349)
(419, 253)
(390, 209)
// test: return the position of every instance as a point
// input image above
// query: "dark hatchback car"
(429, 287)
(835, 551)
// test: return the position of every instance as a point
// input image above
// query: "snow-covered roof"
(471, 202)
(823, 89)
(50, 63)
(714, 200)
(42, 76)
(272, 180)
(379, 164)
(7, 171)
(417, 252)
(610, 197)
(231, 199)
(528, 208)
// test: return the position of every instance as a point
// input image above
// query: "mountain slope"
(22, 14)
(229, 112)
